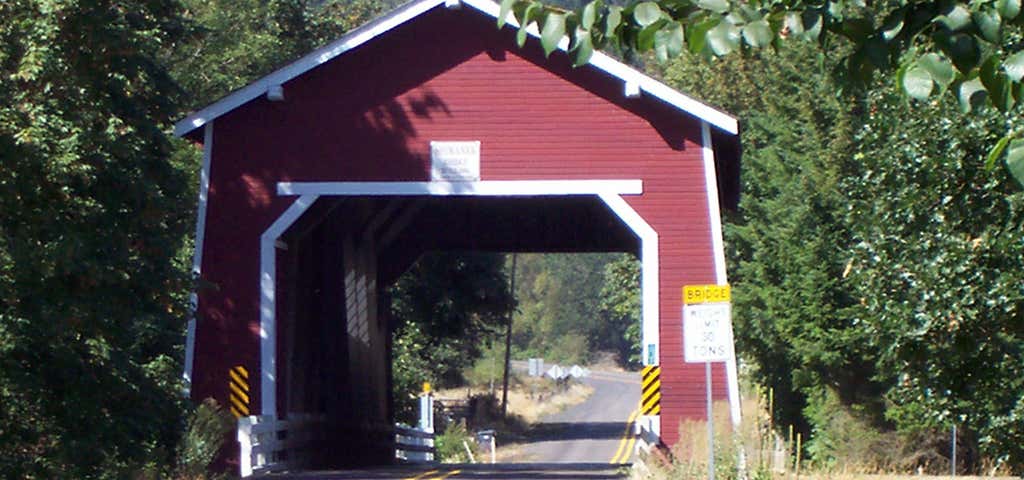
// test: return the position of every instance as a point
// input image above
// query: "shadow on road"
(575, 431)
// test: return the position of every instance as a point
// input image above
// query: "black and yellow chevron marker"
(238, 384)
(650, 396)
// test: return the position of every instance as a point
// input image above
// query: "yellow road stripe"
(442, 477)
(420, 476)
(236, 413)
(628, 452)
(241, 371)
(626, 435)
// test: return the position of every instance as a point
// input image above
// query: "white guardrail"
(413, 445)
(271, 445)
(268, 445)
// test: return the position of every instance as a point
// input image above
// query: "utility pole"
(508, 340)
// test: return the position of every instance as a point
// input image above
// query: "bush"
(208, 426)
(449, 445)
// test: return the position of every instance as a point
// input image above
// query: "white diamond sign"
(707, 332)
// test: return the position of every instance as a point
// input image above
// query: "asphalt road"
(589, 441)
(477, 471)
(595, 431)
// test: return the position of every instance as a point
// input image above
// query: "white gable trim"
(497, 188)
(412, 10)
(312, 60)
(630, 76)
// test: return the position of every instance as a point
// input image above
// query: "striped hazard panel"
(238, 395)
(650, 396)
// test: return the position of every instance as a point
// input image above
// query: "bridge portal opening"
(335, 268)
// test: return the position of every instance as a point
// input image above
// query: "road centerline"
(422, 475)
(627, 439)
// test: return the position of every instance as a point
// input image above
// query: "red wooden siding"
(450, 75)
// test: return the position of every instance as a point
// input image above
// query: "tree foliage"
(98, 205)
(570, 306)
(234, 42)
(875, 260)
(91, 282)
(620, 303)
(937, 267)
(446, 307)
(970, 49)
(791, 305)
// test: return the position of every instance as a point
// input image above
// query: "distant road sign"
(557, 373)
(578, 372)
(707, 332)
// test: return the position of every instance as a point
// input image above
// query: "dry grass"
(886, 476)
(767, 455)
(531, 399)
(537, 404)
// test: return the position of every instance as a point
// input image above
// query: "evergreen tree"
(785, 244)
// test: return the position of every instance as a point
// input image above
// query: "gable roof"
(633, 79)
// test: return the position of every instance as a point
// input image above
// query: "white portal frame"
(609, 191)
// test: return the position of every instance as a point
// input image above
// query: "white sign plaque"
(455, 161)
(707, 332)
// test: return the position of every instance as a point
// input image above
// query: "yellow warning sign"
(238, 395)
(650, 396)
(694, 294)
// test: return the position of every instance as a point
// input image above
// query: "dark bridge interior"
(334, 264)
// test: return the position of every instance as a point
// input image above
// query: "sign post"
(707, 337)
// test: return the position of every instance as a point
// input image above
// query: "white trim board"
(649, 274)
(197, 255)
(649, 250)
(496, 188)
(410, 11)
(268, 301)
(718, 251)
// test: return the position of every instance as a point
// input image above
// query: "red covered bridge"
(429, 129)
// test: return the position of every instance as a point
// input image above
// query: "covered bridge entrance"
(428, 129)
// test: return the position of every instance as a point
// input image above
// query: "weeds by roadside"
(757, 451)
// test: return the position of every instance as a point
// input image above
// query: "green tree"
(938, 269)
(447, 307)
(875, 260)
(790, 301)
(95, 210)
(620, 303)
(560, 315)
(237, 41)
